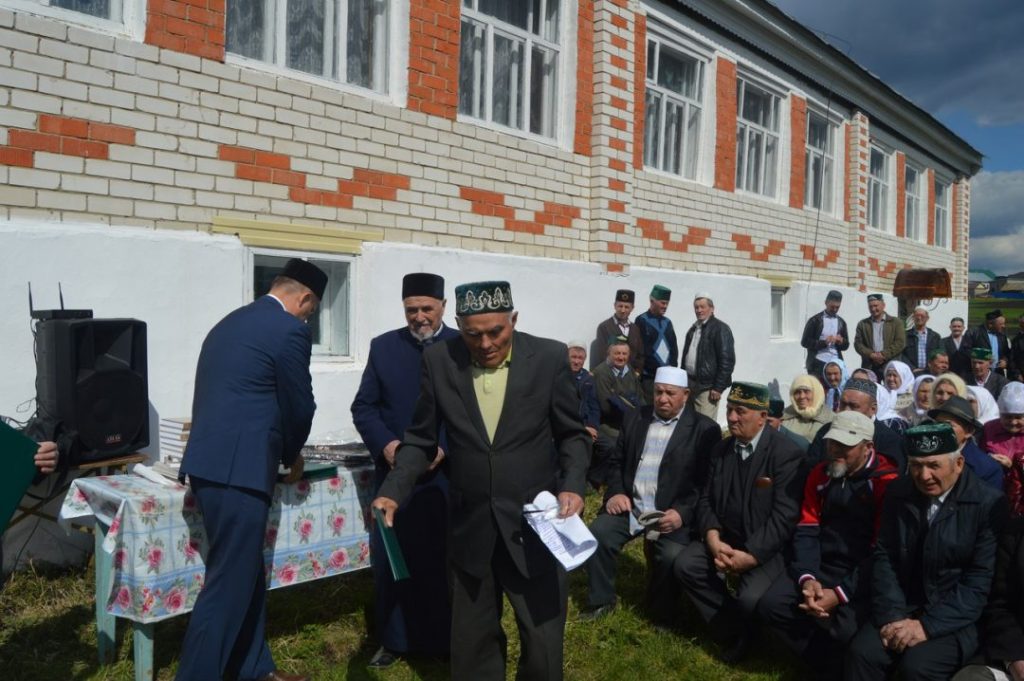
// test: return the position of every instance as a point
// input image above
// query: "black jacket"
(811, 340)
(683, 468)
(716, 356)
(771, 502)
(933, 342)
(959, 359)
(1003, 621)
(951, 564)
(1017, 357)
(980, 339)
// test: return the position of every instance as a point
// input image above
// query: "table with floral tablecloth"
(150, 543)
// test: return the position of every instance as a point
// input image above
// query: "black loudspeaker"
(91, 385)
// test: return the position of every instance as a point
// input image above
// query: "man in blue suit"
(251, 412)
(413, 616)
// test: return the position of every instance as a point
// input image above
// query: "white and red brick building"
(160, 157)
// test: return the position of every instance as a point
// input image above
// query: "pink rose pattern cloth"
(157, 543)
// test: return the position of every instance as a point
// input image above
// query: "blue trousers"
(225, 636)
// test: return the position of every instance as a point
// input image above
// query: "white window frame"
(914, 212)
(661, 38)
(943, 213)
(777, 312)
(336, 312)
(391, 69)
(744, 127)
(129, 22)
(831, 156)
(880, 192)
(564, 94)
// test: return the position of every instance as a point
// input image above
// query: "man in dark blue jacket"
(932, 565)
(251, 412)
(413, 615)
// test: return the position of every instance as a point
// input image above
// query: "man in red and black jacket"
(819, 605)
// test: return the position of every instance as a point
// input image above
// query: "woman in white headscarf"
(945, 386)
(984, 404)
(886, 412)
(922, 392)
(807, 411)
(898, 379)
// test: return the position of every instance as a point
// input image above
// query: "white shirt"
(829, 327)
(936, 504)
(690, 361)
(280, 302)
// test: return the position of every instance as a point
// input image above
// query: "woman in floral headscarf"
(898, 379)
(922, 392)
(807, 411)
(834, 376)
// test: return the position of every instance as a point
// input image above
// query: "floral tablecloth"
(157, 542)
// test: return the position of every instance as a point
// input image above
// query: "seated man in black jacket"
(658, 466)
(819, 605)
(861, 395)
(932, 565)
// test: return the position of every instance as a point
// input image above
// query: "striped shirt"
(645, 484)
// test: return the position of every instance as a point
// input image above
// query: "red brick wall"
(901, 194)
(798, 144)
(639, 76)
(930, 205)
(725, 121)
(191, 26)
(434, 57)
(584, 78)
(65, 136)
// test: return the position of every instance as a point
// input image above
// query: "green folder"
(18, 455)
(395, 558)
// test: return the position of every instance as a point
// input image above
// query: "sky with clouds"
(964, 63)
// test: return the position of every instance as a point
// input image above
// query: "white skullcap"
(1011, 399)
(702, 294)
(674, 376)
(576, 344)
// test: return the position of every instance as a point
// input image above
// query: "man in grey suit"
(509, 406)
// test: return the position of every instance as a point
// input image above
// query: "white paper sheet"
(568, 539)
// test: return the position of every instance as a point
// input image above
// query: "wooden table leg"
(143, 650)
(106, 624)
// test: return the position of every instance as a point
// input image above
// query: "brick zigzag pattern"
(65, 136)
(490, 203)
(265, 166)
(887, 269)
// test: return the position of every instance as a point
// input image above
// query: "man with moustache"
(508, 405)
(820, 603)
(932, 565)
(412, 616)
(619, 325)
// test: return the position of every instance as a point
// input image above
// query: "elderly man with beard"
(412, 616)
(746, 516)
(932, 566)
(819, 605)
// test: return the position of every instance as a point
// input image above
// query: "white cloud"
(1003, 254)
(997, 203)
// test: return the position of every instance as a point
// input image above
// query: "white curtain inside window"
(472, 65)
(96, 8)
(307, 36)
(245, 21)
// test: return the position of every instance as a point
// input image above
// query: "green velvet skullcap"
(483, 297)
(753, 395)
(981, 353)
(660, 292)
(930, 439)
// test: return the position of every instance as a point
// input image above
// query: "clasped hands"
(728, 559)
(902, 634)
(818, 601)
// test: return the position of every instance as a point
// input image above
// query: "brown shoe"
(278, 675)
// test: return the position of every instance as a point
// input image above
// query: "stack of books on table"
(173, 438)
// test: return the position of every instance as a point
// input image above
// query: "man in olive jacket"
(933, 565)
(880, 337)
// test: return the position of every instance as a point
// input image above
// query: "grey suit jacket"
(539, 444)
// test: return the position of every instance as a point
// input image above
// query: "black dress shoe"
(739, 648)
(281, 676)
(382, 659)
(596, 612)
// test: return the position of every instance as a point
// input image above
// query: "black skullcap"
(860, 385)
(423, 284)
(875, 296)
(307, 274)
(994, 314)
(624, 295)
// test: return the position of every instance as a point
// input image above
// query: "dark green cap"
(981, 353)
(930, 439)
(753, 395)
(660, 292)
(483, 297)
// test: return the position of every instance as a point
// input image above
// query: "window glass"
(757, 135)
(673, 106)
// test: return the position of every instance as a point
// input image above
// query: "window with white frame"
(778, 311)
(510, 60)
(943, 236)
(330, 325)
(819, 171)
(913, 185)
(878, 189)
(672, 109)
(117, 16)
(341, 40)
(757, 139)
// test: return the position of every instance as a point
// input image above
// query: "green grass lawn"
(47, 633)
(1011, 309)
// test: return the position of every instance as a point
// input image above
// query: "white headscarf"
(987, 409)
(1011, 399)
(906, 376)
(886, 400)
(917, 385)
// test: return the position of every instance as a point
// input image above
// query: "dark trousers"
(819, 643)
(612, 533)
(415, 614)
(225, 635)
(933, 660)
(539, 603)
(597, 474)
(726, 613)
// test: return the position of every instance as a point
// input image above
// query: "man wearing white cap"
(709, 356)
(655, 475)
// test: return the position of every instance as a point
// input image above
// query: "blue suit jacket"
(253, 404)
